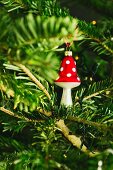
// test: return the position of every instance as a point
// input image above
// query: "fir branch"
(19, 117)
(94, 94)
(93, 90)
(72, 138)
(99, 126)
(102, 44)
(48, 7)
(106, 47)
(11, 94)
(33, 78)
(97, 38)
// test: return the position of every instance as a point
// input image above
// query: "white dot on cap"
(69, 75)
(61, 69)
(75, 62)
(74, 69)
(67, 62)
(78, 78)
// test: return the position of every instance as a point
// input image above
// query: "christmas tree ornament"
(68, 78)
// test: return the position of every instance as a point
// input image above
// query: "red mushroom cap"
(68, 71)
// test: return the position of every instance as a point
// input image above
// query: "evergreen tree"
(37, 133)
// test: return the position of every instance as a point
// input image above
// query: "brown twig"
(33, 78)
(76, 141)
(17, 116)
(94, 94)
(99, 126)
(102, 44)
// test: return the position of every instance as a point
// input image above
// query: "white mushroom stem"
(66, 97)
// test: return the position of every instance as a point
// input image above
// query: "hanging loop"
(68, 46)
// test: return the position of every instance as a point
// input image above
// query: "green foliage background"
(32, 44)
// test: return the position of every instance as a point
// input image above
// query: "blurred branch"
(33, 78)
(4, 89)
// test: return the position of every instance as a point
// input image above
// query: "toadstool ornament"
(68, 78)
